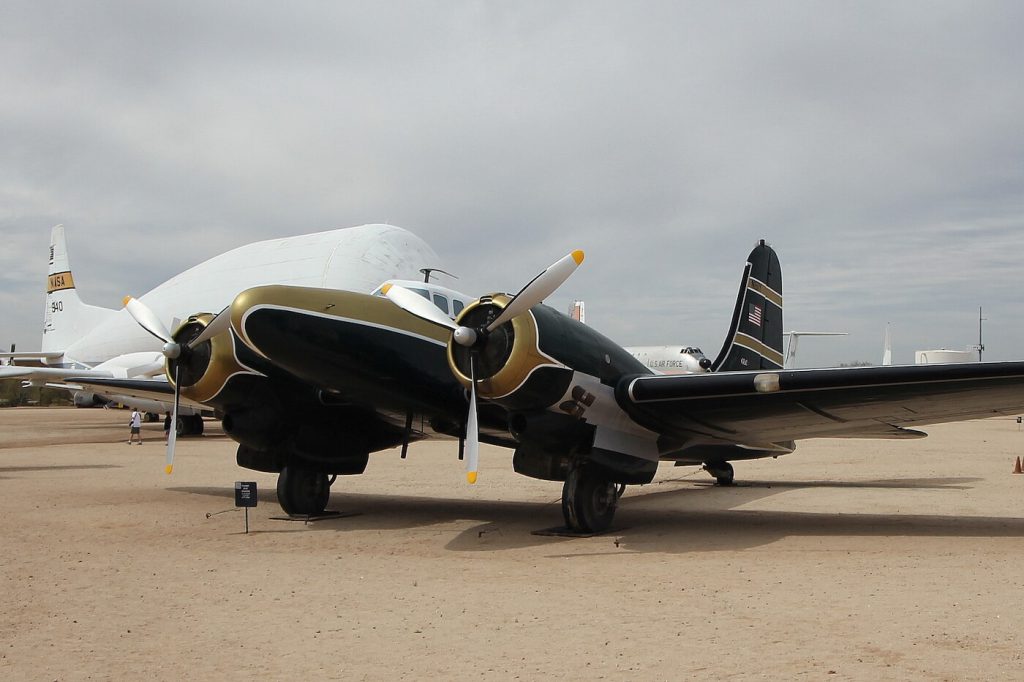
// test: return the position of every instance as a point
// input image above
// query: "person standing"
(136, 427)
(167, 427)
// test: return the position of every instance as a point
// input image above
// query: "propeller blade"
(217, 325)
(472, 431)
(539, 288)
(413, 303)
(172, 435)
(147, 319)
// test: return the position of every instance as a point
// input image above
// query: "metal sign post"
(245, 497)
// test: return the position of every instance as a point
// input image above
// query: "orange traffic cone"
(1016, 466)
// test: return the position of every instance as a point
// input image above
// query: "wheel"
(152, 417)
(588, 501)
(181, 426)
(302, 492)
(722, 471)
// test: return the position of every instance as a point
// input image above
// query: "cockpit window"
(441, 302)
(457, 307)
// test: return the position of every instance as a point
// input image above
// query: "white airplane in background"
(86, 341)
(691, 360)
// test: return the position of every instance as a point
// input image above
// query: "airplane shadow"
(66, 467)
(679, 520)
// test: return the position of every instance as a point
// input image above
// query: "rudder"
(755, 335)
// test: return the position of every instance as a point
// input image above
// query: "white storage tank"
(935, 357)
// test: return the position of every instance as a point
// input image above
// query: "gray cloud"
(876, 145)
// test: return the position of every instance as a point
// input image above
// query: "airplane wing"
(757, 409)
(30, 358)
(43, 374)
(146, 389)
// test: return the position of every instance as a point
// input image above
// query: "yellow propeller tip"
(471, 476)
(124, 301)
(167, 469)
(385, 289)
(577, 256)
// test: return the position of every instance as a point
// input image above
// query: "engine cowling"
(205, 369)
(528, 362)
(510, 366)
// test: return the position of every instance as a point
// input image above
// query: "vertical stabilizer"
(755, 334)
(65, 318)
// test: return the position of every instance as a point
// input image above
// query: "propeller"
(172, 350)
(411, 302)
(472, 430)
(539, 288)
(172, 433)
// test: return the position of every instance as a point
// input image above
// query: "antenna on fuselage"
(427, 272)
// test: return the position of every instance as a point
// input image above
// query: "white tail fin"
(66, 318)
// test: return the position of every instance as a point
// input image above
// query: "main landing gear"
(189, 425)
(722, 471)
(589, 501)
(303, 492)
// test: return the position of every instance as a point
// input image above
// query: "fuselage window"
(457, 307)
(441, 302)
(422, 292)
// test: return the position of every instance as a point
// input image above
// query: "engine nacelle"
(205, 369)
(528, 363)
(84, 399)
(557, 377)
(260, 428)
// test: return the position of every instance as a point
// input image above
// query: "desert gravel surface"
(844, 560)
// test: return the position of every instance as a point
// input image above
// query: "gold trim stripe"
(765, 290)
(750, 343)
(59, 281)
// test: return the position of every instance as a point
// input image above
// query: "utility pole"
(981, 346)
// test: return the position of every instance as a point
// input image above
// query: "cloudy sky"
(878, 146)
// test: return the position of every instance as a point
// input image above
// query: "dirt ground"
(845, 560)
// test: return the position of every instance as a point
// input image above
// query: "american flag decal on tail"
(755, 314)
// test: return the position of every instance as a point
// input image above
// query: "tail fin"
(755, 334)
(66, 318)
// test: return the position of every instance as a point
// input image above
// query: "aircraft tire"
(181, 426)
(302, 492)
(722, 471)
(588, 501)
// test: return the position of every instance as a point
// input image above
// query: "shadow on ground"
(694, 518)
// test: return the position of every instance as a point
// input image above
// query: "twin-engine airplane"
(311, 380)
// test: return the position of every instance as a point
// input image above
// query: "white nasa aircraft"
(86, 341)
